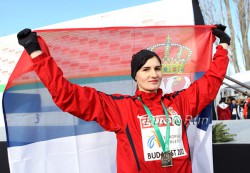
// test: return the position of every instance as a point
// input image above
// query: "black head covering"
(139, 59)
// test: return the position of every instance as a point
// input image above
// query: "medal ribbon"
(165, 146)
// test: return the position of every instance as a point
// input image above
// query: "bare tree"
(243, 7)
(236, 15)
(231, 28)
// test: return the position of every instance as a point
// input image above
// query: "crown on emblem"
(173, 63)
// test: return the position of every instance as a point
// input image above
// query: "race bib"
(151, 145)
(234, 111)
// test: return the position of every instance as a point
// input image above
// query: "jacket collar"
(149, 96)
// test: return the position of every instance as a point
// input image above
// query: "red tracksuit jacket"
(138, 149)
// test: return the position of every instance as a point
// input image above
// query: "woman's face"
(149, 77)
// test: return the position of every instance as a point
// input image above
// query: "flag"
(41, 138)
(200, 140)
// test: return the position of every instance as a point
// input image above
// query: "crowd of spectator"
(232, 108)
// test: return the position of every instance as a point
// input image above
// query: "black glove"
(219, 32)
(28, 40)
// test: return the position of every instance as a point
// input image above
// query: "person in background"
(240, 102)
(235, 109)
(246, 109)
(229, 100)
(223, 110)
(127, 115)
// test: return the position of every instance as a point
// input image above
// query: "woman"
(136, 119)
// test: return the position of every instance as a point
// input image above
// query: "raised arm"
(83, 102)
(203, 91)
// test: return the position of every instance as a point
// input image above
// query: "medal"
(166, 159)
(166, 156)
